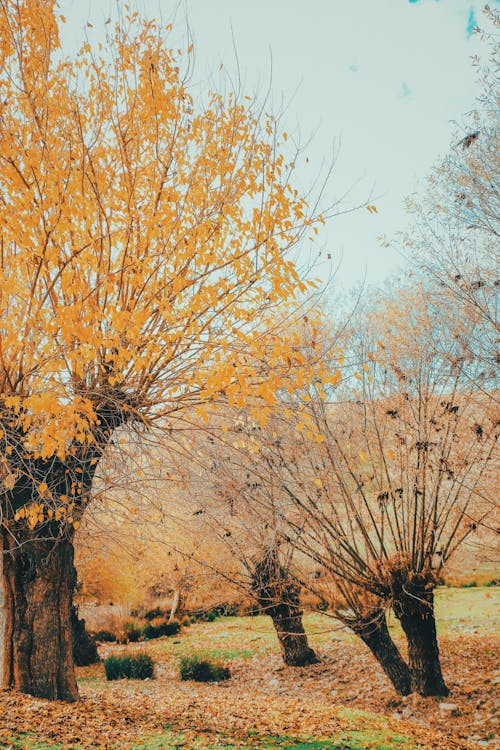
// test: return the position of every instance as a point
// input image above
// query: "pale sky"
(384, 79)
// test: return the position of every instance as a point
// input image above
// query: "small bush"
(142, 667)
(105, 636)
(132, 631)
(138, 667)
(157, 628)
(202, 669)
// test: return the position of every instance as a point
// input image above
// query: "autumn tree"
(409, 459)
(144, 236)
(382, 480)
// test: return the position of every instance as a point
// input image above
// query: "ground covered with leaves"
(342, 703)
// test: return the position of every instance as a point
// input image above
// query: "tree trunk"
(38, 580)
(287, 620)
(279, 596)
(37, 572)
(414, 607)
(177, 607)
(375, 634)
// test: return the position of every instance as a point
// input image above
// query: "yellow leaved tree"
(143, 240)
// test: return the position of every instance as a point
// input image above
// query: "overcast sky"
(385, 79)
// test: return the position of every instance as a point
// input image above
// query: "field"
(342, 703)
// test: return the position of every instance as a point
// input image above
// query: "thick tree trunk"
(38, 575)
(414, 607)
(279, 596)
(38, 578)
(287, 620)
(375, 634)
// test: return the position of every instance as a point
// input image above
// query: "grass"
(357, 740)
(27, 742)
(169, 739)
(468, 607)
(259, 742)
(457, 610)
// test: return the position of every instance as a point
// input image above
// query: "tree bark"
(413, 605)
(38, 580)
(374, 633)
(287, 621)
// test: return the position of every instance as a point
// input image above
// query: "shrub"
(493, 582)
(84, 644)
(142, 667)
(133, 631)
(105, 636)
(157, 628)
(138, 667)
(202, 669)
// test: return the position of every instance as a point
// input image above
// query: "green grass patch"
(357, 740)
(224, 653)
(171, 740)
(29, 742)
(188, 645)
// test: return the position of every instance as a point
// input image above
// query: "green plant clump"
(201, 669)
(157, 628)
(137, 667)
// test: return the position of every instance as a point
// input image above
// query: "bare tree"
(381, 489)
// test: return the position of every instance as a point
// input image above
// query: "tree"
(144, 237)
(382, 482)
(404, 473)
